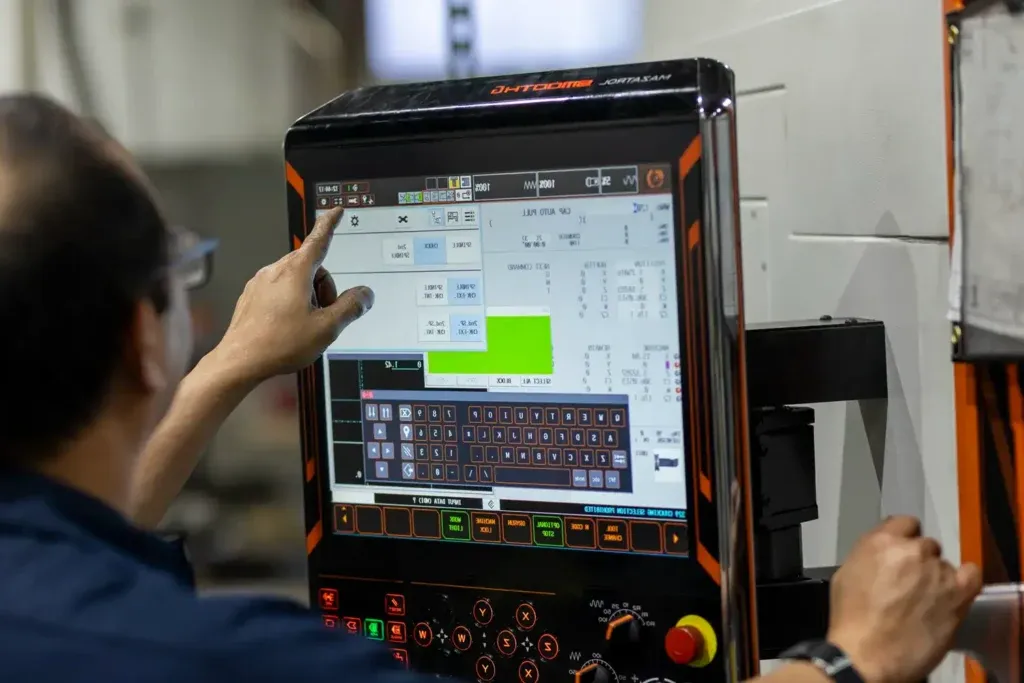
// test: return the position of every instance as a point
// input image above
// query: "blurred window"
(407, 40)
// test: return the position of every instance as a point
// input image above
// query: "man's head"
(94, 326)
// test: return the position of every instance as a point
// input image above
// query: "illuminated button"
(684, 644)
(528, 672)
(547, 646)
(483, 612)
(462, 639)
(396, 632)
(506, 643)
(401, 656)
(423, 634)
(485, 668)
(526, 616)
(328, 599)
(394, 605)
(373, 629)
(352, 625)
(330, 621)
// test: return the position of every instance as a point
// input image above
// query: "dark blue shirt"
(86, 596)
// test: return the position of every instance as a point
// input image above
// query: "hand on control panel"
(290, 311)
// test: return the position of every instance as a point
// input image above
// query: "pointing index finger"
(319, 239)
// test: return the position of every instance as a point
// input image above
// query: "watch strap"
(831, 660)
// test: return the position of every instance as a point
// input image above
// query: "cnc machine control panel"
(509, 460)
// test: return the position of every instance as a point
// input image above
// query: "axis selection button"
(423, 634)
(483, 613)
(526, 616)
(547, 646)
(506, 643)
(528, 672)
(462, 639)
(485, 669)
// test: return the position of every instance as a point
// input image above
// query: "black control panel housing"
(499, 612)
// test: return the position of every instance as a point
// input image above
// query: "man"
(97, 435)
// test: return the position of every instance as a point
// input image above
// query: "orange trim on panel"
(705, 486)
(1016, 409)
(310, 469)
(295, 180)
(314, 536)
(693, 236)
(709, 564)
(702, 316)
(952, 6)
(690, 157)
(686, 163)
(1004, 459)
(296, 242)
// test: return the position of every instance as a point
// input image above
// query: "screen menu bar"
(540, 184)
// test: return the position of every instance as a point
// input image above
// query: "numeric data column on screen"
(449, 301)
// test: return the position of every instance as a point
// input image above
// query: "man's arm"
(205, 398)
(287, 315)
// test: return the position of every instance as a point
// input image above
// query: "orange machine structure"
(989, 421)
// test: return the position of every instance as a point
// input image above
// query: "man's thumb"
(350, 305)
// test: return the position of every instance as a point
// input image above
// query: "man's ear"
(146, 349)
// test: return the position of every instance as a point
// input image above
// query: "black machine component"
(516, 466)
(814, 361)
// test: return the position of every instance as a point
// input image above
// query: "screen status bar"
(541, 184)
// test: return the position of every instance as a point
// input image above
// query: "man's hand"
(896, 603)
(290, 311)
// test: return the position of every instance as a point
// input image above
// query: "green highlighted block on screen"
(516, 345)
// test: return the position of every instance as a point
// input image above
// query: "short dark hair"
(81, 243)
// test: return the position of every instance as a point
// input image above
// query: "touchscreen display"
(519, 380)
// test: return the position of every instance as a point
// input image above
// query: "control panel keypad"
(473, 442)
(504, 643)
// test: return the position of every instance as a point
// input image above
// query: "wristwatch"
(832, 661)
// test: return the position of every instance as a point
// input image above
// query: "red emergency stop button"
(684, 644)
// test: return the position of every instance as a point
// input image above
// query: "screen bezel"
(567, 571)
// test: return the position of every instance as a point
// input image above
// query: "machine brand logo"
(541, 87)
(633, 80)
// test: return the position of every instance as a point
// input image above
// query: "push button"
(528, 672)
(684, 644)
(396, 632)
(423, 634)
(485, 669)
(692, 642)
(547, 646)
(352, 625)
(462, 639)
(526, 616)
(506, 643)
(328, 599)
(483, 613)
(394, 605)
